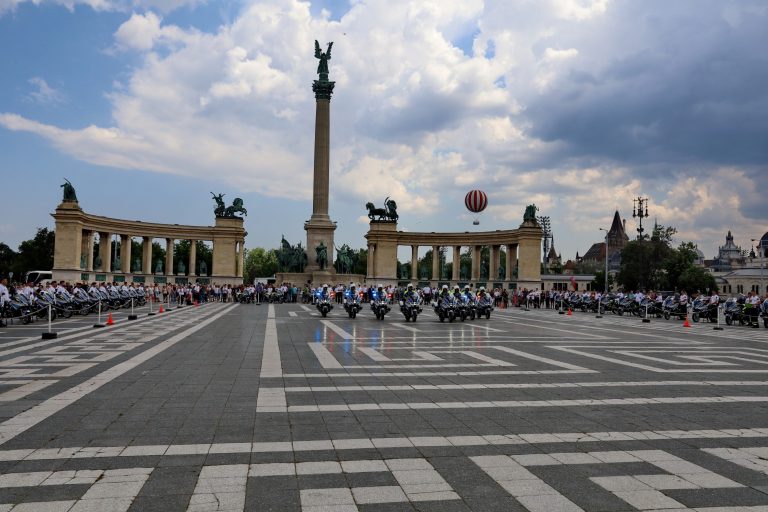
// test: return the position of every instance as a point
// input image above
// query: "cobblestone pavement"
(273, 408)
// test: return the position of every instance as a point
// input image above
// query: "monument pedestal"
(319, 231)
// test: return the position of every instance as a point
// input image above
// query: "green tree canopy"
(656, 264)
(35, 254)
(259, 262)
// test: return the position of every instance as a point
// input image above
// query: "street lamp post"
(638, 212)
(761, 249)
(606, 259)
(605, 288)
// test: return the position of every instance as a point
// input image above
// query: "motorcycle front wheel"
(666, 315)
(413, 317)
(695, 317)
(488, 315)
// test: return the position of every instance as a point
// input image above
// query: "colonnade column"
(493, 265)
(192, 257)
(414, 262)
(241, 259)
(435, 262)
(511, 260)
(89, 254)
(475, 263)
(456, 271)
(146, 255)
(125, 254)
(169, 256)
(105, 248)
(370, 263)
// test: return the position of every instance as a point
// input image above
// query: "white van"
(37, 276)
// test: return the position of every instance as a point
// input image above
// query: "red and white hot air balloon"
(476, 201)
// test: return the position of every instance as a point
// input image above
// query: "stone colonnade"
(74, 248)
(523, 250)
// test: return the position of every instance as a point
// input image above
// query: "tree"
(598, 283)
(259, 262)
(361, 262)
(35, 254)
(655, 264)
(696, 279)
(7, 259)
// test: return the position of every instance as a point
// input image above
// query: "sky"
(578, 106)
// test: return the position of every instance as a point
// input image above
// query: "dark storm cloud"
(674, 87)
(425, 112)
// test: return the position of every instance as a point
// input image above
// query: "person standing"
(5, 298)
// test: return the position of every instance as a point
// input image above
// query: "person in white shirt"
(5, 297)
(714, 298)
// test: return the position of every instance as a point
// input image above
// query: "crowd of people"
(171, 294)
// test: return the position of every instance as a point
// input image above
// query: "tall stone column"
(125, 254)
(435, 262)
(414, 263)
(146, 255)
(241, 259)
(169, 256)
(371, 264)
(319, 228)
(511, 260)
(475, 262)
(493, 267)
(105, 248)
(89, 254)
(456, 272)
(192, 257)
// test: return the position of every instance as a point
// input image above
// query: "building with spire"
(616, 240)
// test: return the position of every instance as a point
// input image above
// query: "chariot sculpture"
(222, 210)
(386, 214)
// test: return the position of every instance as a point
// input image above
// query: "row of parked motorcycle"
(448, 307)
(734, 310)
(27, 308)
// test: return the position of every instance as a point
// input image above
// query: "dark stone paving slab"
(230, 416)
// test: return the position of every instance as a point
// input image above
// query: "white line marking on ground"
(338, 330)
(540, 359)
(389, 442)
(324, 356)
(271, 364)
(406, 327)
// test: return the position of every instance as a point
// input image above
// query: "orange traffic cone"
(109, 320)
(569, 312)
(686, 323)
(161, 310)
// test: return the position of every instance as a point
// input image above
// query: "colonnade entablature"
(522, 247)
(75, 258)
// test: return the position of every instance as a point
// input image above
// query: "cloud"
(44, 93)
(104, 5)
(576, 105)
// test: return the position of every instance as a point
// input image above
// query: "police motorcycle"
(483, 304)
(701, 309)
(20, 306)
(733, 311)
(323, 300)
(445, 305)
(380, 303)
(82, 302)
(764, 313)
(672, 307)
(100, 296)
(352, 303)
(410, 304)
(468, 305)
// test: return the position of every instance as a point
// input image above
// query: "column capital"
(323, 89)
